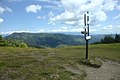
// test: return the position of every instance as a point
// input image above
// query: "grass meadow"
(51, 63)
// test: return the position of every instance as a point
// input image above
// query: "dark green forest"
(109, 39)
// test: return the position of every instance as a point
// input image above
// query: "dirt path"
(108, 71)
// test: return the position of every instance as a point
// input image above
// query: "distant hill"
(50, 39)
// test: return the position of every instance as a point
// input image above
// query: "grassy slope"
(51, 64)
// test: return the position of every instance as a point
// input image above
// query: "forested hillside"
(51, 39)
(46, 39)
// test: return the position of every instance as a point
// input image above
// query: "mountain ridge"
(50, 39)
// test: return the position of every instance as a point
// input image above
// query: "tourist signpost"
(86, 33)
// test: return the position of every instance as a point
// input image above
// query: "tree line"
(11, 43)
(109, 39)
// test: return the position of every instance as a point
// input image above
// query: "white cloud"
(58, 30)
(118, 26)
(108, 27)
(54, 2)
(41, 17)
(71, 22)
(118, 16)
(40, 31)
(1, 10)
(100, 15)
(98, 25)
(43, 0)
(51, 4)
(64, 28)
(1, 20)
(15, 0)
(76, 30)
(74, 10)
(51, 20)
(109, 5)
(51, 14)
(10, 32)
(71, 5)
(20, 31)
(67, 17)
(118, 7)
(33, 8)
(93, 30)
(8, 9)
(51, 7)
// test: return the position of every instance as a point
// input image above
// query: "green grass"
(49, 63)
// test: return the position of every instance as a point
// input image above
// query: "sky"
(59, 16)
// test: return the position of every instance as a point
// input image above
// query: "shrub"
(23, 45)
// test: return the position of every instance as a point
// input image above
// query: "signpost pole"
(86, 22)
